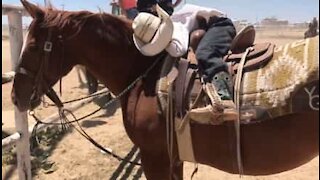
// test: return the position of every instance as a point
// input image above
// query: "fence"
(21, 138)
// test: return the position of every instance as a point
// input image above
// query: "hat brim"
(160, 40)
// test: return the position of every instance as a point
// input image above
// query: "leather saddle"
(188, 84)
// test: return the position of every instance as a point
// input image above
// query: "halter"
(41, 86)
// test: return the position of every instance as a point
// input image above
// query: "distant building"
(274, 22)
(301, 25)
(239, 24)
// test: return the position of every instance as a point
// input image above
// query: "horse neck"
(116, 66)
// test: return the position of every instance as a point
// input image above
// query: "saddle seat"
(244, 39)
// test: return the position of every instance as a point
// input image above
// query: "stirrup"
(223, 84)
(217, 111)
(206, 115)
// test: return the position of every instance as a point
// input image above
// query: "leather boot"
(222, 81)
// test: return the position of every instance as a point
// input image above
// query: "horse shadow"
(42, 145)
(110, 109)
(92, 123)
(125, 169)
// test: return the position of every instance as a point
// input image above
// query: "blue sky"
(252, 10)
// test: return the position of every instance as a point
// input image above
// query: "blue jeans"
(214, 45)
(132, 13)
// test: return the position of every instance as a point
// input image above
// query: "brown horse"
(59, 40)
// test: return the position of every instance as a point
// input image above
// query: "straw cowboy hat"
(152, 34)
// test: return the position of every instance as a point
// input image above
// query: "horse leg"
(156, 166)
(79, 69)
(92, 82)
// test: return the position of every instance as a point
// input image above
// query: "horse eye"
(32, 47)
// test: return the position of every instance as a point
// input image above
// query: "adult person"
(149, 5)
(172, 34)
(129, 8)
(115, 9)
(314, 26)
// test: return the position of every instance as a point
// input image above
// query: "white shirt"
(184, 22)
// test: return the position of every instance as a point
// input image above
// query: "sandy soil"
(70, 156)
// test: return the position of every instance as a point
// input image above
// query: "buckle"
(47, 46)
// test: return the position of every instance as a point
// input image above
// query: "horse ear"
(48, 4)
(32, 9)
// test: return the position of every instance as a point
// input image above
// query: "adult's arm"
(120, 2)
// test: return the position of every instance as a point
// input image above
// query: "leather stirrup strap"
(190, 80)
(182, 124)
(180, 90)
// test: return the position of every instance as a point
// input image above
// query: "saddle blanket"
(274, 86)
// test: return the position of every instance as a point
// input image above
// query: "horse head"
(34, 66)
(58, 40)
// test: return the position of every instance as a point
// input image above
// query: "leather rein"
(42, 87)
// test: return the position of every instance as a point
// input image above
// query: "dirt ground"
(70, 156)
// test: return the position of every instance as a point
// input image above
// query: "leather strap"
(180, 88)
(258, 61)
(259, 49)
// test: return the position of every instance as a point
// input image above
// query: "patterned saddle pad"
(287, 84)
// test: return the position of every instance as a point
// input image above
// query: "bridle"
(40, 85)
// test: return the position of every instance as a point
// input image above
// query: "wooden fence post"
(23, 145)
(16, 36)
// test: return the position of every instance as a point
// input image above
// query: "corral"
(71, 157)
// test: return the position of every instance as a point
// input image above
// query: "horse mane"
(112, 28)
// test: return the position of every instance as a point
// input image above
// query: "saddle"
(257, 104)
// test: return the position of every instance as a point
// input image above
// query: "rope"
(82, 98)
(237, 102)
(129, 87)
(169, 124)
(65, 122)
(95, 143)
